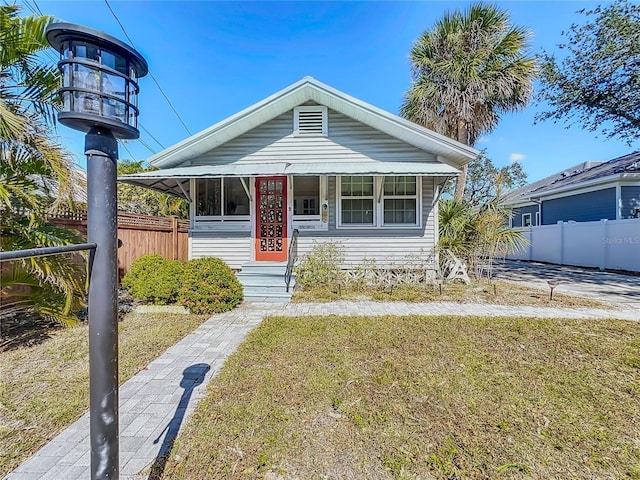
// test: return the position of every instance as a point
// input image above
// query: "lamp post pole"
(101, 149)
(99, 97)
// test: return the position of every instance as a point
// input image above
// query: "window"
(379, 201)
(306, 196)
(400, 200)
(310, 120)
(526, 219)
(210, 193)
(357, 200)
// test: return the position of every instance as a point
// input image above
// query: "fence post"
(175, 237)
(561, 241)
(605, 244)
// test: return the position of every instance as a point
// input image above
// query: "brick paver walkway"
(156, 402)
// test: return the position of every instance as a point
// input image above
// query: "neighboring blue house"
(588, 192)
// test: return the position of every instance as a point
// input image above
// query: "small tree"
(477, 235)
(486, 182)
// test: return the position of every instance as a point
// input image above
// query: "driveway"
(616, 288)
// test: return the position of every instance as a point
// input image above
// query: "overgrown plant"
(154, 278)
(321, 267)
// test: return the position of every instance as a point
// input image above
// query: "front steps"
(264, 282)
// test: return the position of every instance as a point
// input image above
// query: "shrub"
(154, 278)
(209, 286)
(321, 267)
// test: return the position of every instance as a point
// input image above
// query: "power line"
(150, 74)
(149, 133)
(124, 145)
(146, 145)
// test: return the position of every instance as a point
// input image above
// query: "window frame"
(310, 108)
(378, 205)
(238, 219)
(524, 215)
(309, 222)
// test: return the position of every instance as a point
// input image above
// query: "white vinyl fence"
(613, 244)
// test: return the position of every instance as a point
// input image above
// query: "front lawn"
(44, 376)
(420, 397)
(504, 293)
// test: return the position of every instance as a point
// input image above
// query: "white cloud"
(516, 157)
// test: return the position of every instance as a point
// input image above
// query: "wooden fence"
(140, 235)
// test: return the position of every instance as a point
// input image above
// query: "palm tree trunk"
(463, 137)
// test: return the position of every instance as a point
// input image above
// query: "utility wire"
(147, 145)
(150, 74)
(149, 133)
(124, 145)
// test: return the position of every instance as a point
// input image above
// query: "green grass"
(505, 293)
(44, 385)
(421, 398)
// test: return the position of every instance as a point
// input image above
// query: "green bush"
(321, 267)
(209, 286)
(154, 278)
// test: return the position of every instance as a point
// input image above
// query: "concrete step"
(264, 281)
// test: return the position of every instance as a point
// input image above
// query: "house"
(314, 160)
(587, 215)
(587, 192)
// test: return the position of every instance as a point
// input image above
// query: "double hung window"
(392, 201)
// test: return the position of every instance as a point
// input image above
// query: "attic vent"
(311, 120)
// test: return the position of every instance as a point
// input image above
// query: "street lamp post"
(99, 95)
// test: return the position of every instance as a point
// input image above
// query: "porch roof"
(175, 181)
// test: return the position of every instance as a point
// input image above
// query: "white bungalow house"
(313, 160)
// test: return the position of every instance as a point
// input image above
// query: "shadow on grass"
(192, 376)
(27, 331)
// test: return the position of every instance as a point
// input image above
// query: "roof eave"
(448, 150)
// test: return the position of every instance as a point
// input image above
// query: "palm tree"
(477, 235)
(36, 174)
(467, 71)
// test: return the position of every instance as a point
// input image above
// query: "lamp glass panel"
(108, 59)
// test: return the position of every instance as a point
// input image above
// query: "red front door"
(271, 219)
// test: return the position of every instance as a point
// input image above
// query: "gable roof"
(308, 89)
(586, 173)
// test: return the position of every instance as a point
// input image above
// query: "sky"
(213, 59)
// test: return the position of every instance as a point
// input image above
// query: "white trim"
(522, 220)
(618, 202)
(321, 109)
(451, 152)
(378, 199)
(538, 217)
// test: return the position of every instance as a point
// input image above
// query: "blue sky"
(215, 58)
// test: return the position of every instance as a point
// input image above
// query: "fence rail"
(140, 235)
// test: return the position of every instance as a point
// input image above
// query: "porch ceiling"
(175, 181)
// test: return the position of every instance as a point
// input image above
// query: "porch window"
(221, 197)
(357, 195)
(306, 196)
(392, 201)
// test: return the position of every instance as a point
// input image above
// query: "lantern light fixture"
(99, 80)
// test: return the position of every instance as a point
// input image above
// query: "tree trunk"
(463, 137)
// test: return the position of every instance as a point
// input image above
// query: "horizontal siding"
(234, 249)
(584, 207)
(398, 249)
(518, 212)
(630, 197)
(347, 140)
